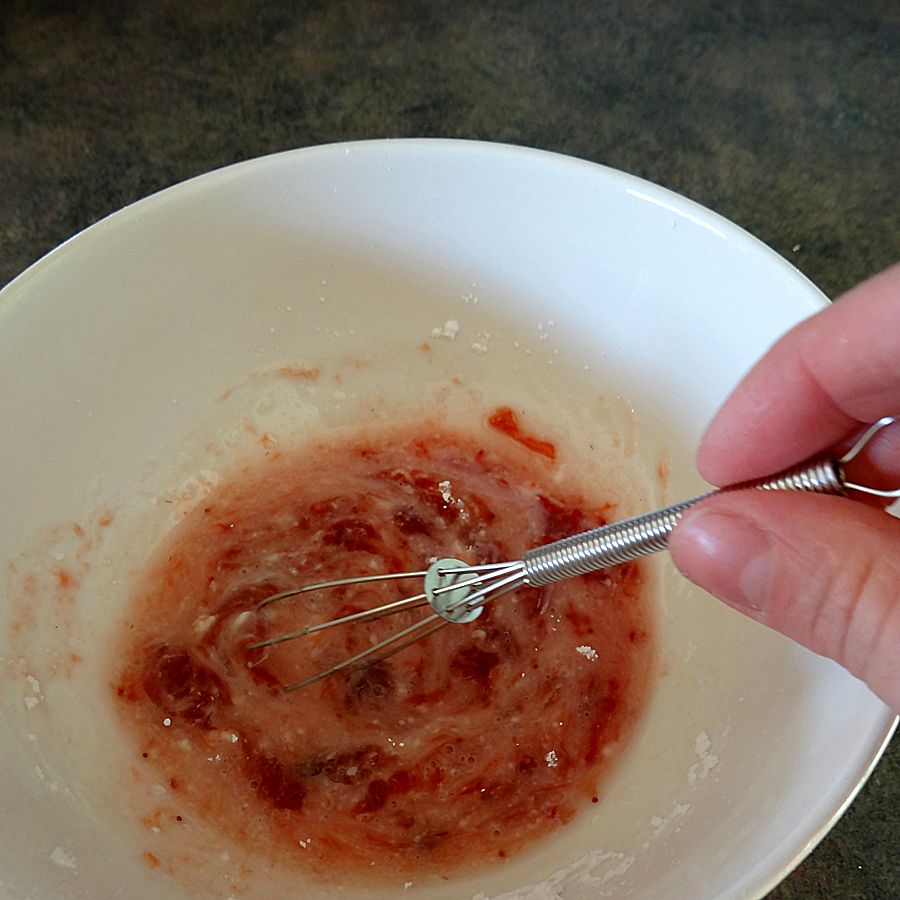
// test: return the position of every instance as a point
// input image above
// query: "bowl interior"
(604, 305)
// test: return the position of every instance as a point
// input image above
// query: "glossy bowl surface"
(119, 353)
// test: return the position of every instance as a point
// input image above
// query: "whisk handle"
(648, 533)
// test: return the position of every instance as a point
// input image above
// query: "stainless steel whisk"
(457, 592)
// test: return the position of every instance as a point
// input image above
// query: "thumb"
(822, 570)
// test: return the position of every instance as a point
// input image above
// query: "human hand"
(823, 570)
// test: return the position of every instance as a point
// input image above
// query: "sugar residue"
(61, 858)
(35, 696)
(679, 810)
(446, 489)
(544, 329)
(707, 759)
(594, 870)
(450, 329)
(480, 344)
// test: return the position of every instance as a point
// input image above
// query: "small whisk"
(457, 592)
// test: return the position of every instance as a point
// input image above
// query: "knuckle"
(862, 594)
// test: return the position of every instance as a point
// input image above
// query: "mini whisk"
(457, 592)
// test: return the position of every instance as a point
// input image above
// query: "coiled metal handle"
(608, 545)
(648, 533)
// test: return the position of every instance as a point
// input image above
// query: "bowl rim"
(646, 190)
(14, 293)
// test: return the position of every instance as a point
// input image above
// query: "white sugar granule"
(481, 344)
(61, 858)
(708, 759)
(450, 329)
(587, 652)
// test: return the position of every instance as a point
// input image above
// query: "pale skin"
(825, 571)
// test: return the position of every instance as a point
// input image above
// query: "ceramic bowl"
(130, 356)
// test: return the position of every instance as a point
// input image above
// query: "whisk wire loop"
(387, 645)
(366, 615)
(338, 582)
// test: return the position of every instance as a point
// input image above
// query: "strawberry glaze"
(462, 748)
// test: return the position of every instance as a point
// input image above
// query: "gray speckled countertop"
(785, 117)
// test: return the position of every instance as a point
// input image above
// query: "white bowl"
(595, 291)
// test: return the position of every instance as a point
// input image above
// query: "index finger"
(836, 370)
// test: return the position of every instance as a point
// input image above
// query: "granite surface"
(785, 117)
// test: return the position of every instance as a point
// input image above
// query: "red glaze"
(463, 747)
(504, 420)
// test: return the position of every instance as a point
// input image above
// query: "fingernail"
(727, 555)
